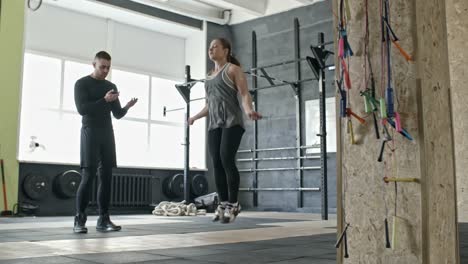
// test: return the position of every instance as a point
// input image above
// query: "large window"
(312, 116)
(133, 85)
(144, 137)
(72, 72)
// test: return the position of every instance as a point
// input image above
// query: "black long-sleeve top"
(90, 102)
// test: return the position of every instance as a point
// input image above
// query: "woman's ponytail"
(233, 60)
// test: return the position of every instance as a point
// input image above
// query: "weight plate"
(177, 185)
(167, 187)
(66, 184)
(36, 186)
(199, 185)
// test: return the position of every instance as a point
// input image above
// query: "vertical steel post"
(323, 131)
(297, 55)
(187, 141)
(255, 132)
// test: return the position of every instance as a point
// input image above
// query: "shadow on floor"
(463, 238)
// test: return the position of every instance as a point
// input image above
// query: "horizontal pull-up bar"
(316, 189)
(277, 64)
(282, 169)
(198, 99)
(325, 43)
(165, 110)
(274, 149)
(184, 87)
(278, 158)
(282, 84)
(289, 61)
(269, 78)
(191, 83)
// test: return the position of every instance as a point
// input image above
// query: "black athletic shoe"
(104, 224)
(231, 212)
(80, 224)
(219, 214)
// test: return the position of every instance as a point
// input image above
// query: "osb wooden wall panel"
(426, 210)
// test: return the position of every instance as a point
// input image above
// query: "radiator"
(132, 191)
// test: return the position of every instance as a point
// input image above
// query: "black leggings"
(223, 144)
(86, 187)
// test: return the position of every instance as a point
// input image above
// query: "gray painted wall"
(275, 43)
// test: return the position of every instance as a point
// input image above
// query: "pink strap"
(397, 122)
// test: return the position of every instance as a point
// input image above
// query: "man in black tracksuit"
(95, 99)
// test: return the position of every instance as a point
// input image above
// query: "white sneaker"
(231, 212)
(219, 213)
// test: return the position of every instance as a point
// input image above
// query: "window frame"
(148, 120)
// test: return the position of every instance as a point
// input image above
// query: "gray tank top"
(224, 110)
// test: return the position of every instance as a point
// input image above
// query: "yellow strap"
(351, 132)
(394, 232)
(348, 10)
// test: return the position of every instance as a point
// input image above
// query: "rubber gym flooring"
(255, 237)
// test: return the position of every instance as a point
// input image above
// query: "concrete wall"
(457, 28)
(275, 43)
(11, 54)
